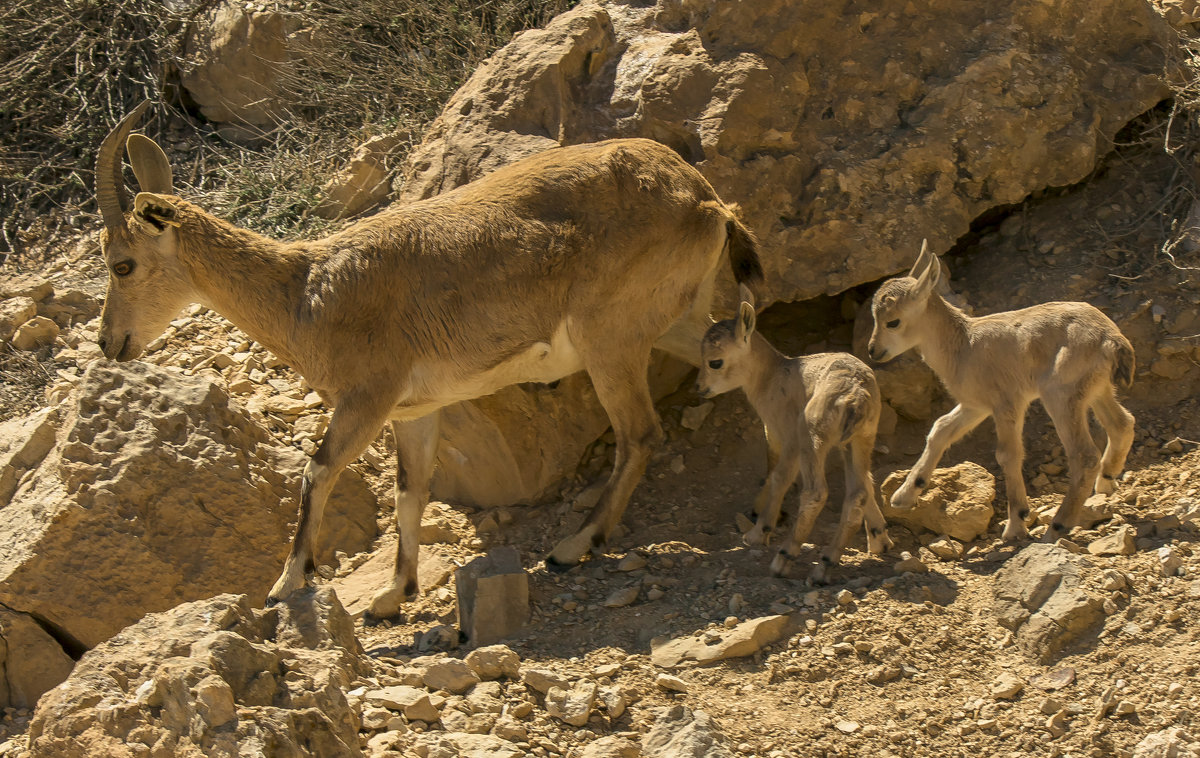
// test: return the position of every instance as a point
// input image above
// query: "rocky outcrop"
(1041, 598)
(212, 678)
(846, 136)
(31, 661)
(157, 490)
(957, 502)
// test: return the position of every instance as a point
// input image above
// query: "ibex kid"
(1070, 355)
(809, 406)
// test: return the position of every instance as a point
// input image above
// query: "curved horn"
(111, 196)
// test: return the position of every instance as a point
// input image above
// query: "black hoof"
(555, 567)
(370, 619)
(271, 602)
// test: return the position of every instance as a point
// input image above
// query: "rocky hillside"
(1045, 150)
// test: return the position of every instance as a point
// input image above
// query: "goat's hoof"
(272, 601)
(1015, 532)
(754, 538)
(1105, 485)
(905, 498)
(1055, 532)
(745, 521)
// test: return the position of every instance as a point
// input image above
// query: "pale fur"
(810, 406)
(1069, 355)
(578, 258)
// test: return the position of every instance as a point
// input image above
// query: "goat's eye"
(893, 323)
(124, 268)
(718, 363)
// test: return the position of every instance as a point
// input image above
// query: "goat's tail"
(855, 410)
(1123, 361)
(743, 250)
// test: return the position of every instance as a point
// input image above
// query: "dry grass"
(69, 70)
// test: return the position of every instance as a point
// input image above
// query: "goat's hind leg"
(1010, 454)
(814, 491)
(1118, 425)
(623, 390)
(355, 423)
(1068, 411)
(416, 453)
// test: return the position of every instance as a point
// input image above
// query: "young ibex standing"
(1070, 355)
(809, 406)
(579, 258)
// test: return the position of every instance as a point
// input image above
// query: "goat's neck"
(946, 338)
(255, 282)
(767, 365)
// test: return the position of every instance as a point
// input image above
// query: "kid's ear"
(154, 213)
(922, 261)
(745, 321)
(745, 295)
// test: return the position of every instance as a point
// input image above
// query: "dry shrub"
(70, 69)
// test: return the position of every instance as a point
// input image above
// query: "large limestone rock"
(846, 135)
(1042, 597)
(680, 732)
(212, 678)
(157, 491)
(235, 61)
(747, 638)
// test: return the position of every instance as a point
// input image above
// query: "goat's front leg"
(355, 423)
(945, 432)
(624, 392)
(416, 454)
(769, 501)
(814, 491)
(1010, 454)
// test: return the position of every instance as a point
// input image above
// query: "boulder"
(1040, 597)
(234, 62)
(34, 333)
(363, 183)
(158, 490)
(214, 678)
(842, 135)
(31, 661)
(680, 732)
(957, 502)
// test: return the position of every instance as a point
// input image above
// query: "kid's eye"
(124, 268)
(893, 323)
(716, 364)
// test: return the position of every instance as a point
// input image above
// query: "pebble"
(1169, 560)
(910, 563)
(671, 683)
(1121, 542)
(846, 727)
(622, 597)
(946, 549)
(845, 597)
(1006, 687)
(631, 562)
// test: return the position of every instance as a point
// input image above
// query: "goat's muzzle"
(115, 350)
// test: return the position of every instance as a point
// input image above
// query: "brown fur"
(1067, 354)
(579, 258)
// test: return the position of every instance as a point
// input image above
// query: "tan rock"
(574, 705)
(14, 312)
(1040, 596)
(744, 639)
(957, 502)
(363, 183)
(34, 333)
(1120, 542)
(359, 587)
(414, 703)
(31, 661)
(494, 662)
(451, 675)
(191, 681)
(24, 442)
(158, 490)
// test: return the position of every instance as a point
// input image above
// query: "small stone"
(416, 704)
(671, 683)
(572, 706)
(693, 416)
(631, 562)
(543, 679)
(677, 465)
(654, 593)
(844, 597)
(451, 675)
(946, 549)
(1006, 687)
(846, 727)
(214, 701)
(375, 718)
(910, 563)
(1057, 724)
(1124, 708)
(1121, 542)
(883, 674)
(1114, 581)
(494, 662)
(1169, 560)
(1054, 680)
(1050, 706)
(34, 333)
(622, 597)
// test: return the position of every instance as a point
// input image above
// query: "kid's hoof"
(1105, 485)
(555, 567)
(1017, 531)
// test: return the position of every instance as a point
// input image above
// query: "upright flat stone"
(493, 597)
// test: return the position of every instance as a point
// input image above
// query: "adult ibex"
(809, 406)
(578, 258)
(1070, 355)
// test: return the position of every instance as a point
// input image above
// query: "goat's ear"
(745, 294)
(922, 262)
(150, 164)
(745, 321)
(154, 213)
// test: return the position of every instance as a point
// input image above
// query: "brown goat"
(578, 258)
